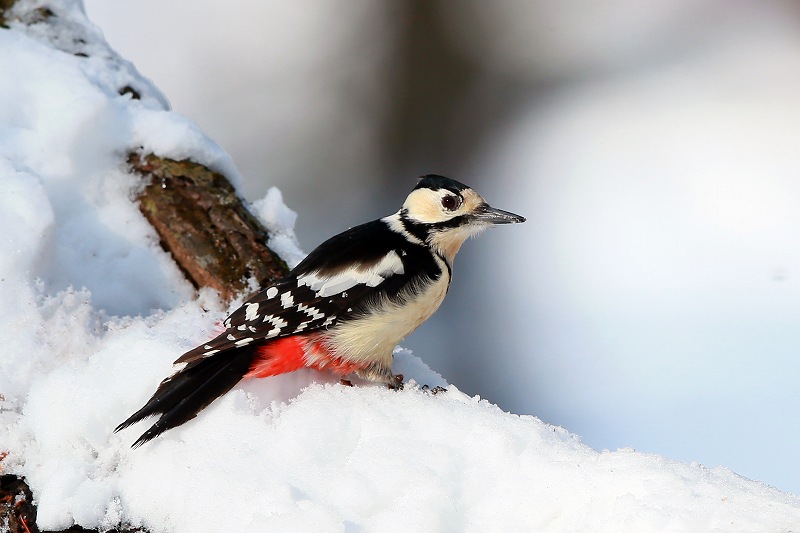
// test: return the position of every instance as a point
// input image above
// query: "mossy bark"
(201, 221)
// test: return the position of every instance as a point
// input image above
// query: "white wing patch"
(251, 312)
(312, 312)
(287, 300)
(325, 286)
(277, 325)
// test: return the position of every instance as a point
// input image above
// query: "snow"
(663, 237)
(279, 221)
(94, 313)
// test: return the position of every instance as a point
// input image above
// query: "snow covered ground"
(663, 224)
(93, 313)
(653, 146)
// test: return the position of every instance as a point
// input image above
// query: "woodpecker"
(344, 308)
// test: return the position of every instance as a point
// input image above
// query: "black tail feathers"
(180, 397)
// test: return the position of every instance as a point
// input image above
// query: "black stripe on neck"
(421, 230)
(417, 229)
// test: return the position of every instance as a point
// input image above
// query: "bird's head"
(444, 213)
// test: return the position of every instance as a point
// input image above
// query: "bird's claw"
(397, 383)
(435, 390)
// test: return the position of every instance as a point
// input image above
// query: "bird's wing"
(317, 294)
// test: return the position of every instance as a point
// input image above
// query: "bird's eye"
(451, 202)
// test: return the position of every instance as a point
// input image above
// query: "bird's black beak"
(490, 215)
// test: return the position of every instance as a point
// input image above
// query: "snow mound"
(93, 313)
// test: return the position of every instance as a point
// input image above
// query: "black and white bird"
(344, 308)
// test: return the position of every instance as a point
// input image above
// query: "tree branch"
(201, 221)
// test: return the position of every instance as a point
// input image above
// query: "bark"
(39, 14)
(201, 221)
(5, 7)
(17, 512)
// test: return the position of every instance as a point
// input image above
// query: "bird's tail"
(181, 396)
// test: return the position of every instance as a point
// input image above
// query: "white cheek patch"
(425, 206)
(325, 286)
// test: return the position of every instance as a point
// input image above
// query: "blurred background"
(652, 300)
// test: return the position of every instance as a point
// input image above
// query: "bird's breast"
(372, 337)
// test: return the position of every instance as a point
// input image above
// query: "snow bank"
(663, 232)
(93, 313)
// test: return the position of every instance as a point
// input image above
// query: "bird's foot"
(435, 390)
(346, 382)
(396, 383)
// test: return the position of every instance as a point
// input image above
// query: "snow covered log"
(202, 222)
(195, 210)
